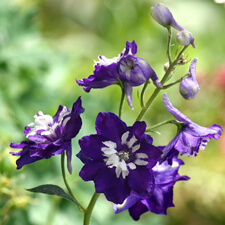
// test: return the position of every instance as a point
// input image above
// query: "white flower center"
(126, 159)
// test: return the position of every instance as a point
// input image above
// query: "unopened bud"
(184, 38)
(189, 86)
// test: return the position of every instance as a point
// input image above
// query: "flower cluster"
(122, 160)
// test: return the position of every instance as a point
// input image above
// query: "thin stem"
(143, 92)
(174, 82)
(160, 124)
(157, 90)
(169, 45)
(87, 214)
(121, 103)
(79, 205)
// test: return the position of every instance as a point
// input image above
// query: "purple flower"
(126, 70)
(50, 135)
(118, 158)
(161, 197)
(190, 137)
(164, 17)
(189, 86)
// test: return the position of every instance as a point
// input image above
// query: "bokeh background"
(46, 44)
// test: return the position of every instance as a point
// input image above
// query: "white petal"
(141, 156)
(140, 162)
(132, 166)
(136, 147)
(124, 137)
(131, 141)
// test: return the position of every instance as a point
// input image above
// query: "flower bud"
(189, 86)
(184, 38)
(163, 16)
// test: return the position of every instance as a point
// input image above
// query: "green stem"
(121, 103)
(143, 92)
(87, 214)
(174, 82)
(157, 90)
(169, 45)
(79, 206)
(160, 124)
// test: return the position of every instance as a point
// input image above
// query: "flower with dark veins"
(118, 158)
(50, 136)
(126, 70)
(191, 137)
(160, 197)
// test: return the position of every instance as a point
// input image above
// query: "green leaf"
(51, 189)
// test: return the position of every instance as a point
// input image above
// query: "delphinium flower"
(50, 136)
(126, 70)
(189, 86)
(161, 197)
(119, 159)
(164, 17)
(191, 137)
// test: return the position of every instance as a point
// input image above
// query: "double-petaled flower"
(158, 199)
(119, 159)
(126, 70)
(191, 137)
(50, 136)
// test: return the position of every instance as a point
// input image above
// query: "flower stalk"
(87, 214)
(157, 90)
(79, 205)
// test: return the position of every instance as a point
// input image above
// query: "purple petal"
(90, 148)
(138, 209)
(74, 124)
(130, 47)
(89, 170)
(128, 92)
(129, 202)
(141, 175)
(103, 77)
(110, 127)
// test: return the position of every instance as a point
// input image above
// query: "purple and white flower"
(161, 197)
(49, 136)
(126, 70)
(191, 137)
(118, 158)
(189, 86)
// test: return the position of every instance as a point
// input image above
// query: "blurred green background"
(46, 44)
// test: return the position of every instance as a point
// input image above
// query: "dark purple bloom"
(118, 158)
(126, 70)
(191, 137)
(163, 16)
(161, 197)
(189, 86)
(50, 136)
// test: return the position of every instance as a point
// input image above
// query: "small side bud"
(166, 66)
(189, 86)
(184, 38)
